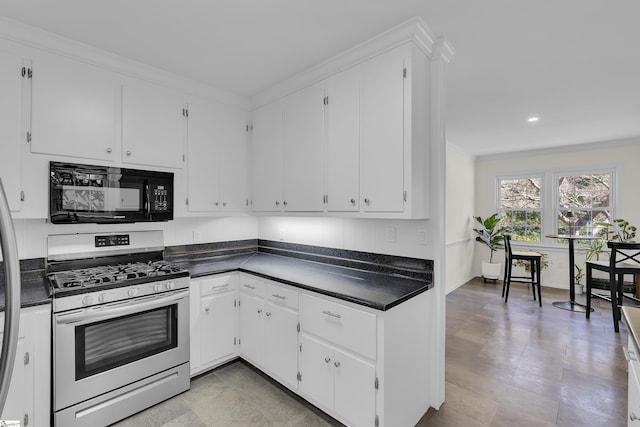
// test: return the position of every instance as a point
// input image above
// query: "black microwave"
(108, 195)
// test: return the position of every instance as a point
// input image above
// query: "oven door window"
(105, 345)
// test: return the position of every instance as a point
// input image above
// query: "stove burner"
(107, 274)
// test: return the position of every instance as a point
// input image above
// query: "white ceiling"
(573, 63)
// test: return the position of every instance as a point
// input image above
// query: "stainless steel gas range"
(120, 326)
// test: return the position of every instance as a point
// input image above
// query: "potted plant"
(578, 283)
(490, 233)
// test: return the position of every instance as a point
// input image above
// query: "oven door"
(102, 348)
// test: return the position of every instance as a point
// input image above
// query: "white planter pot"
(491, 270)
(578, 289)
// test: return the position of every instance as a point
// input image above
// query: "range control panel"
(112, 240)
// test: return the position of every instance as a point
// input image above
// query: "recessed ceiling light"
(532, 119)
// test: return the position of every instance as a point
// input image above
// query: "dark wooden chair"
(535, 266)
(624, 259)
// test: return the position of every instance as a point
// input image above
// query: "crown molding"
(39, 39)
(593, 145)
(413, 30)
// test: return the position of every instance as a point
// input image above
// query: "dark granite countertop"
(32, 292)
(376, 290)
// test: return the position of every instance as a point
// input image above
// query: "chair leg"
(614, 300)
(532, 267)
(589, 274)
(507, 283)
(538, 280)
(504, 280)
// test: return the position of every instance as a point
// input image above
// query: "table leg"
(571, 305)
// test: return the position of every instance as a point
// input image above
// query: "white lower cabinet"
(213, 321)
(338, 382)
(633, 399)
(29, 393)
(269, 328)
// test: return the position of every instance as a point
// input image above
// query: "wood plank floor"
(507, 365)
(518, 364)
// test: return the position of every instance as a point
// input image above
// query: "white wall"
(31, 234)
(625, 155)
(459, 217)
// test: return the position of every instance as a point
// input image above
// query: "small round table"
(571, 305)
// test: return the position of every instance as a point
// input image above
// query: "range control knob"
(133, 292)
(157, 287)
(88, 300)
(102, 297)
(170, 285)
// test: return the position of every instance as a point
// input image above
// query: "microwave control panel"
(159, 198)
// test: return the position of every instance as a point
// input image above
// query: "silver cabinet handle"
(109, 150)
(336, 364)
(128, 152)
(367, 201)
(329, 313)
(249, 286)
(327, 359)
(278, 296)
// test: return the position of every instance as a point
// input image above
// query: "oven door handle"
(124, 308)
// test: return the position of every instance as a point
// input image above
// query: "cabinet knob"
(109, 150)
(216, 203)
(633, 417)
(353, 201)
(367, 201)
(327, 359)
(268, 314)
(259, 311)
(224, 203)
(206, 309)
(336, 364)
(285, 204)
(277, 203)
(128, 152)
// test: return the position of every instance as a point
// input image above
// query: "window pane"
(520, 207)
(581, 199)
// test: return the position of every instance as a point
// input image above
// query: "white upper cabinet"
(217, 159)
(382, 133)
(267, 158)
(73, 110)
(303, 150)
(153, 126)
(343, 141)
(10, 127)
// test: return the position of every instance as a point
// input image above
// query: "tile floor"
(514, 364)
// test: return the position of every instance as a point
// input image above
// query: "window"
(583, 200)
(520, 207)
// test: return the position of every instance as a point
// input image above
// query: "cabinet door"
(267, 158)
(355, 394)
(232, 157)
(216, 327)
(303, 150)
(316, 368)
(217, 148)
(343, 141)
(73, 111)
(10, 127)
(252, 328)
(382, 127)
(153, 126)
(194, 326)
(17, 402)
(281, 343)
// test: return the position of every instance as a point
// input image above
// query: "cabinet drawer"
(345, 326)
(217, 284)
(252, 285)
(282, 296)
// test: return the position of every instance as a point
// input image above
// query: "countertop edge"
(632, 316)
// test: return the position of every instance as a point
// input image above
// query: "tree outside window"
(583, 201)
(521, 207)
